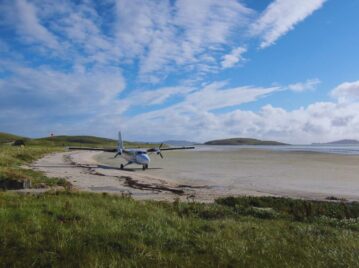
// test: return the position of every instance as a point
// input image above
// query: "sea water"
(334, 149)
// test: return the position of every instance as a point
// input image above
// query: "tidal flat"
(240, 170)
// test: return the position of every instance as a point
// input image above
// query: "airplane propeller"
(156, 150)
(118, 153)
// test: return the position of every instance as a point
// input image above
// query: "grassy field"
(70, 229)
(65, 229)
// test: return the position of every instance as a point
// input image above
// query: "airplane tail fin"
(119, 143)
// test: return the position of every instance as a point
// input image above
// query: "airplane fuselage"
(135, 156)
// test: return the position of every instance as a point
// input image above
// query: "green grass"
(11, 171)
(295, 209)
(66, 229)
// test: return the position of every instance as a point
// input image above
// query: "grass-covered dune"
(7, 137)
(12, 173)
(74, 141)
(65, 229)
(242, 141)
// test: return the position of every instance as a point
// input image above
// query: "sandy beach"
(204, 175)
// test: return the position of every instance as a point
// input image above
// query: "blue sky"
(198, 70)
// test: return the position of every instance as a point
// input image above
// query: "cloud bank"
(318, 122)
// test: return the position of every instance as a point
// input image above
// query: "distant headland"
(243, 141)
(340, 142)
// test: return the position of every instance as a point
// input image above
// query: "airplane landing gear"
(144, 167)
(123, 166)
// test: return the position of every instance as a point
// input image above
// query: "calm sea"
(333, 149)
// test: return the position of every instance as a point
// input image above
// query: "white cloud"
(159, 96)
(194, 118)
(304, 86)
(233, 58)
(165, 36)
(280, 17)
(29, 25)
(216, 96)
(52, 92)
(146, 98)
(38, 101)
(319, 122)
(157, 37)
(347, 92)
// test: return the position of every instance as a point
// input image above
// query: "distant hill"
(340, 142)
(73, 140)
(7, 137)
(242, 141)
(86, 141)
(179, 142)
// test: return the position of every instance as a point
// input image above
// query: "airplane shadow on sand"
(126, 168)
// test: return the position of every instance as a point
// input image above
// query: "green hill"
(74, 141)
(88, 141)
(62, 140)
(339, 142)
(7, 137)
(242, 141)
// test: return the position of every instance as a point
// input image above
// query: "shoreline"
(86, 173)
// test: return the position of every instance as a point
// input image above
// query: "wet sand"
(204, 175)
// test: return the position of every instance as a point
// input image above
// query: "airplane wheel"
(121, 167)
(144, 167)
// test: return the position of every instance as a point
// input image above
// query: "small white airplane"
(133, 156)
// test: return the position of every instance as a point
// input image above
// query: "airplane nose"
(143, 159)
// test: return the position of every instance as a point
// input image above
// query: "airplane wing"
(112, 150)
(178, 148)
(169, 149)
